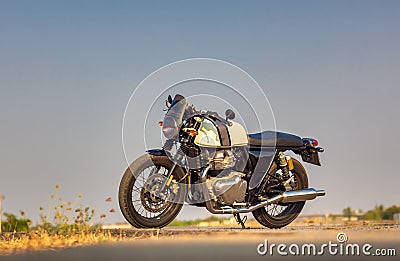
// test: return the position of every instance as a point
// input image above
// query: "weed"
(62, 224)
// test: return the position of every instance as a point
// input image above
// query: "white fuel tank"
(209, 136)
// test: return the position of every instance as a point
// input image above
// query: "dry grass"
(12, 243)
(63, 224)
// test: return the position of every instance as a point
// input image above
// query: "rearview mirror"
(229, 114)
(168, 101)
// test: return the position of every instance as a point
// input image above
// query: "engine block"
(229, 189)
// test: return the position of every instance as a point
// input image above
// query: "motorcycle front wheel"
(140, 200)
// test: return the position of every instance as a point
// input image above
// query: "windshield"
(173, 118)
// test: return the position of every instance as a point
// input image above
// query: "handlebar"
(191, 111)
(213, 114)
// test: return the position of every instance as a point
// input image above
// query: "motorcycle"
(210, 161)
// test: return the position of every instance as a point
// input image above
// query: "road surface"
(193, 243)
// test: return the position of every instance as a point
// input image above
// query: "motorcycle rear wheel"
(139, 212)
(270, 216)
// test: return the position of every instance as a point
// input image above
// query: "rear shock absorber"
(286, 164)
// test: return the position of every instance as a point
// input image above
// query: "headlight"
(170, 128)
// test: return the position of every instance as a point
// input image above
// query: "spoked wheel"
(281, 214)
(142, 202)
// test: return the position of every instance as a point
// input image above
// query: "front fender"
(160, 153)
(157, 152)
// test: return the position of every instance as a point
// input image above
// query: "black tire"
(126, 188)
(292, 210)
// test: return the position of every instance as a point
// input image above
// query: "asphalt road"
(236, 244)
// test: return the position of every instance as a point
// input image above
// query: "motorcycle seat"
(268, 139)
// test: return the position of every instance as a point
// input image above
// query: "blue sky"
(67, 69)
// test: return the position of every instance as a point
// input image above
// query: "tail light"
(310, 141)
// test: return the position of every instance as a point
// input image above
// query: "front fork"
(169, 178)
(167, 181)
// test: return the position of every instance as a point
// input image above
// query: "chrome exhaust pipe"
(286, 197)
(301, 195)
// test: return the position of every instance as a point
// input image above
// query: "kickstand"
(240, 220)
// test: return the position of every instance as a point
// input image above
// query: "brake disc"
(150, 195)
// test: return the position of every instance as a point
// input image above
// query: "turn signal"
(192, 133)
(160, 123)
